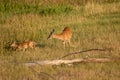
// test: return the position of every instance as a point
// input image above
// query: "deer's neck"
(58, 36)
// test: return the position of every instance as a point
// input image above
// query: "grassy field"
(94, 23)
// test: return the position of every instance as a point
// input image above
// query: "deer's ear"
(53, 30)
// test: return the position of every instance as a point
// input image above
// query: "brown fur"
(23, 45)
(65, 36)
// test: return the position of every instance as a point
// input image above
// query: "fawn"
(23, 45)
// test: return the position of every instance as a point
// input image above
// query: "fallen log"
(58, 62)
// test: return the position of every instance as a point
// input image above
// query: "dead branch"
(69, 54)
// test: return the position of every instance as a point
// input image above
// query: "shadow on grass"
(40, 45)
(8, 47)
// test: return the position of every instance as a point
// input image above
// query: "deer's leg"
(24, 49)
(64, 43)
(69, 43)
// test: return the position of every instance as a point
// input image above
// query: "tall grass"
(95, 24)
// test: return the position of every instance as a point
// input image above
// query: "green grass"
(94, 25)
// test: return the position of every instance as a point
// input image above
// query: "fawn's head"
(13, 44)
(51, 34)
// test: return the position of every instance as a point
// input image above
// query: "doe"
(65, 36)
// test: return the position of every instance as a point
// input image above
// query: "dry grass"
(93, 26)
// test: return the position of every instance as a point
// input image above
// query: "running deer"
(65, 36)
(23, 45)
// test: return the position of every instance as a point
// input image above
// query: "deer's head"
(13, 44)
(51, 34)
